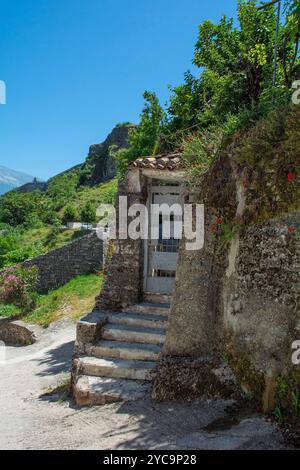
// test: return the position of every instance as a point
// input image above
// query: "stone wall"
(56, 268)
(236, 301)
(261, 293)
(124, 265)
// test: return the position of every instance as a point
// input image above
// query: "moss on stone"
(288, 396)
(188, 379)
(250, 380)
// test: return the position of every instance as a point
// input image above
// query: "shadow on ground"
(56, 360)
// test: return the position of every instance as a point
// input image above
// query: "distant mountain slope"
(10, 179)
(99, 165)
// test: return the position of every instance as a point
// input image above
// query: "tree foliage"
(143, 139)
(88, 214)
(236, 66)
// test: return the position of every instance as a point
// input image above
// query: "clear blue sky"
(75, 68)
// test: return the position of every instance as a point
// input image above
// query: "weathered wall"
(237, 299)
(195, 318)
(56, 268)
(124, 277)
(261, 292)
(194, 315)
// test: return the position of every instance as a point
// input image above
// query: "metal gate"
(161, 255)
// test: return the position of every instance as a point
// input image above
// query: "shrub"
(200, 151)
(70, 214)
(21, 254)
(88, 213)
(32, 221)
(17, 286)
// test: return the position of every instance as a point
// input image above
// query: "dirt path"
(29, 420)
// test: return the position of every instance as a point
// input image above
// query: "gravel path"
(29, 419)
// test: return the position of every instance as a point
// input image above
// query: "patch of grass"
(9, 310)
(74, 299)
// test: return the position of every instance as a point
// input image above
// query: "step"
(134, 334)
(148, 307)
(89, 391)
(115, 368)
(139, 319)
(157, 298)
(123, 350)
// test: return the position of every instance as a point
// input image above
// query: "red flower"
(213, 228)
(291, 229)
(291, 177)
(219, 221)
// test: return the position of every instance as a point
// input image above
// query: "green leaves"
(143, 139)
(88, 213)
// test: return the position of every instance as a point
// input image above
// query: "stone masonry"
(56, 268)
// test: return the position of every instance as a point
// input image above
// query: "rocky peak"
(99, 154)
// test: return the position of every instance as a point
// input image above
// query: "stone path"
(29, 420)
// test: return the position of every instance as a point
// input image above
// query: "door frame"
(150, 190)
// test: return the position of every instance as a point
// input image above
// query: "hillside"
(10, 179)
(32, 218)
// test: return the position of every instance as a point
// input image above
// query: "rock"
(99, 154)
(16, 332)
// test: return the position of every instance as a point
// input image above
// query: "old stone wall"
(56, 268)
(236, 301)
(261, 292)
(124, 264)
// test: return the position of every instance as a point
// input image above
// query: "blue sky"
(75, 68)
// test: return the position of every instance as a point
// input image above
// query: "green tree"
(70, 214)
(143, 139)
(289, 43)
(16, 207)
(236, 64)
(88, 213)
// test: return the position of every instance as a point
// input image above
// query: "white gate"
(161, 255)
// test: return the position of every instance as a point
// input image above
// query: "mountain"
(10, 179)
(99, 165)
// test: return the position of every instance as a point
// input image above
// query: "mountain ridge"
(11, 179)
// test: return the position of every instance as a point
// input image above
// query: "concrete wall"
(56, 268)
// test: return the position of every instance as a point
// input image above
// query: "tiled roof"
(168, 161)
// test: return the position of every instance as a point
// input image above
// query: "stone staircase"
(116, 352)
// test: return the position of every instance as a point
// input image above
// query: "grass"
(73, 300)
(104, 193)
(49, 237)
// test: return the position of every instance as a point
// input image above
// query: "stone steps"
(139, 319)
(115, 368)
(92, 391)
(118, 353)
(133, 334)
(147, 307)
(157, 298)
(124, 350)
